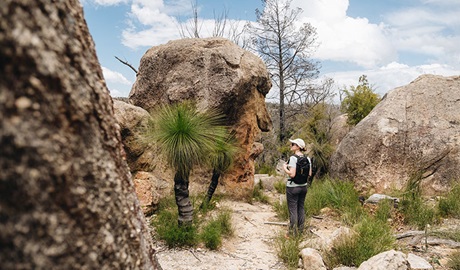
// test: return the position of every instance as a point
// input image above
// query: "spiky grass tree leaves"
(221, 160)
(186, 138)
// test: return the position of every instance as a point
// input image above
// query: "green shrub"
(371, 238)
(454, 261)
(450, 205)
(288, 250)
(168, 229)
(359, 101)
(211, 235)
(265, 168)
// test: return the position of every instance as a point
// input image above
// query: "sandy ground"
(251, 247)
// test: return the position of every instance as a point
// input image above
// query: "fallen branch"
(408, 234)
(193, 253)
(276, 223)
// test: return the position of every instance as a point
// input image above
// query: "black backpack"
(303, 170)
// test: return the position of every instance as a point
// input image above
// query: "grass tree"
(221, 160)
(186, 138)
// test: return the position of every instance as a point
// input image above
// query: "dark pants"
(295, 200)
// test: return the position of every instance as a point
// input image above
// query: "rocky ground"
(252, 245)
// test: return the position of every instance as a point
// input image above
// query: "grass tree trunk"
(183, 202)
(212, 188)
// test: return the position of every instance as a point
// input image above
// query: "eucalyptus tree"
(286, 47)
(186, 137)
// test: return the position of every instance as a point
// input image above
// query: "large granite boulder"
(215, 73)
(132, 119)
(414, 129)
(67, 200)
(339, 129)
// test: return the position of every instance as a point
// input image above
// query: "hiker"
(296, 186)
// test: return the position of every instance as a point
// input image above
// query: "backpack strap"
(310, 173)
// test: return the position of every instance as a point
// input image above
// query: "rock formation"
(339, 129)
(131, 119)
(66, 196)
(415, 129)
(215, 73)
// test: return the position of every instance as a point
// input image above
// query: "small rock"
(418, 263)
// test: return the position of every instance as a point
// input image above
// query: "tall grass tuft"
(281, 209)
(215, 229)
(416, 212)
(371, 237)
(280, 186)
(339, 195)
(383, 212)
(288, 250)
(450, 205)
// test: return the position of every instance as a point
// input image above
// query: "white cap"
(299, 142)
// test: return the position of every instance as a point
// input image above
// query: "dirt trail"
(251, 247)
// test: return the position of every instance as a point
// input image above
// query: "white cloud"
(151, 23)
(116, 93)
(114, 77)
(432, 29)
(390, 76)
(343, 38)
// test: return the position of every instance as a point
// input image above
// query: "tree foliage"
(286, 48)
(359, 101)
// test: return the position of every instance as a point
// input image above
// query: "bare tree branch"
(128, 64)
(223, 27)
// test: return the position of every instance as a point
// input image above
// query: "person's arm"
(289, 168)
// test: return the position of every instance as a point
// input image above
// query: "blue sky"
(391, 41)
